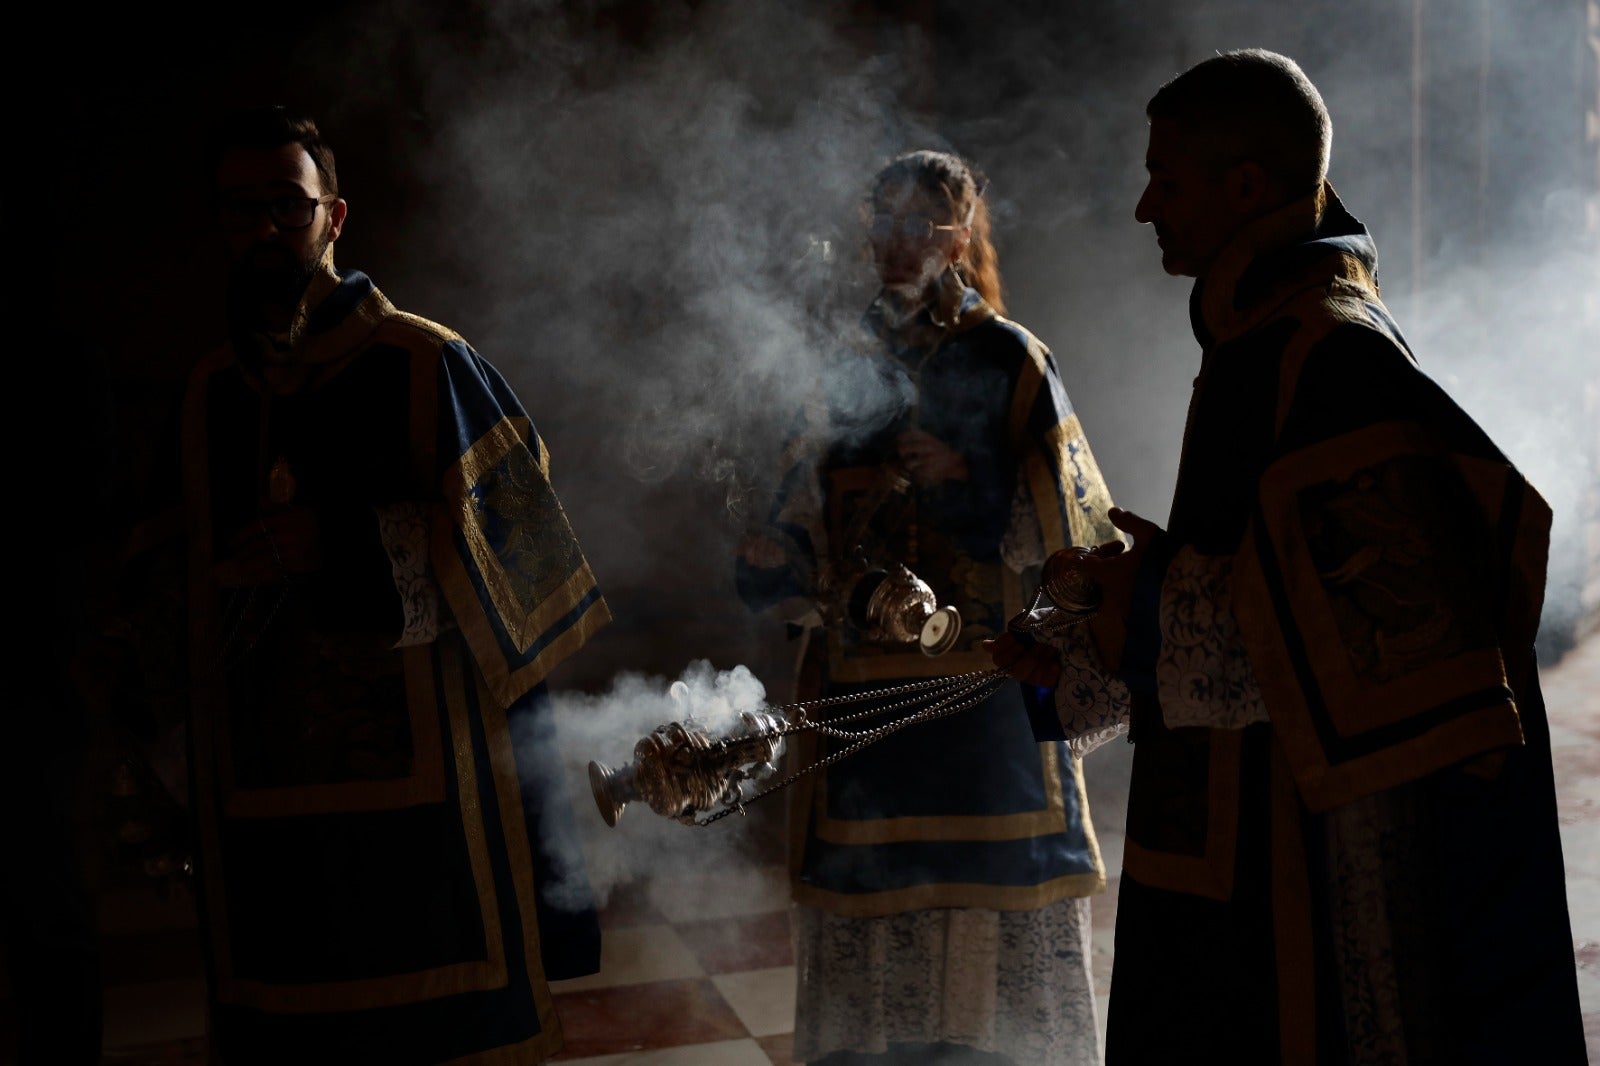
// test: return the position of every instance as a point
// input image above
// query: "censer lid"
(940, 631)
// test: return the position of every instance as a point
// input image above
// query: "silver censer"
(894, 606)
(682, 771)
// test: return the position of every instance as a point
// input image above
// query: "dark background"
(645, 214)
(623, 205)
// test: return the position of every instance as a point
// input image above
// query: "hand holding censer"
(681, 769)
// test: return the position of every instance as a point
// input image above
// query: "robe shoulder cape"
(388, 865)
(1388, 570)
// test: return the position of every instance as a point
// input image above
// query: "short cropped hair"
(1258, 105)
(265, 127)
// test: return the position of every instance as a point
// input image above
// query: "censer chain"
(799, 721)
(965, 690)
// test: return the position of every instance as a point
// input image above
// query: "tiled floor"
(700, 972)
(714, 988)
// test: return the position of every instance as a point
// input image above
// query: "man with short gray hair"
(1342, 844)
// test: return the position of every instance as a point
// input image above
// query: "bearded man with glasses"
(380, 577)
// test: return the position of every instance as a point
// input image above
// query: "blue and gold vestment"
(969, 810)
(387, 860)
(1374, 873)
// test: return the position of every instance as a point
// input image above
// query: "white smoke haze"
(627, 221)
(667, 261)
(647, 217)
(645, 846)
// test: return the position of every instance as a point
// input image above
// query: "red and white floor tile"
(711, 988)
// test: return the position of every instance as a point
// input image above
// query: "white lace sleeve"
(1093, 706)
(1023, 543)
(1203, 675)
(404, 530)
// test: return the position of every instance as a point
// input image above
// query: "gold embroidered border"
(535, 443)
(1091, 838)
(1051, 818)
(425, 783)
(810, 666)
(422, 985)
(1271, 230)
(424, 414)
(506, 684)
(1324, 785)
(923, 897)
(1062, 520)
(338, 345)
(1029, 380)
(480, 457)
(1354, 706)
(1209, 874)
(508, 794)
(1316, 320)
(523, 628)
(1487, 480)
(1047, 502)
(1055, 493)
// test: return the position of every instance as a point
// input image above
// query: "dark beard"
(269, 276)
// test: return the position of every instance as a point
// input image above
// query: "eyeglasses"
(885, 227)
(286, 212)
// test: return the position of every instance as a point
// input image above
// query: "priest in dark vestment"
(380, 579)
(1342, 845)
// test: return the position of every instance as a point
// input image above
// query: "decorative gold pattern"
(1353, 703)
(422, 985)
(1044, 821)
(1338, 290)
(514, 830)
(986, 595)
(525, 553)
(1209, 874)
(922, 897)
(1360, 697)
(1088, 500)
(993, 897)
(326, 353)
(424, 783)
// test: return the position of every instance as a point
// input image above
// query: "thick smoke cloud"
(645, 846)
(647, 216)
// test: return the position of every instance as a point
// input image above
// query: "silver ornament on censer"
(683, 769)
(893, 606)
